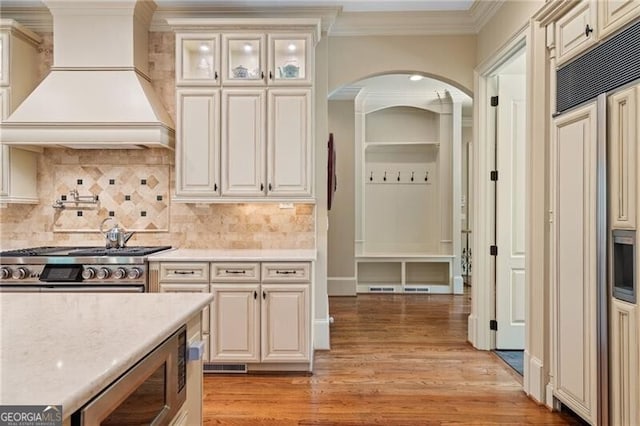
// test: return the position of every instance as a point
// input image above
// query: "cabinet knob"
(270, 75)
(215, 75)
(215, 186)
(255, 295)
(262, 75)
(587, 30)
(261, 187)
(264, 295)
(270, 187)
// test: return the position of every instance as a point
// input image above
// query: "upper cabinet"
(589, 22)
(576, 31)
(245, 109)
(614, 14)
(197, 59)
(18, 77)
(267, 59)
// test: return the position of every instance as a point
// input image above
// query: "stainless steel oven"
(76, 269)
(624, 265)
(150, 393)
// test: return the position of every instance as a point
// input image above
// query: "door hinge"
(493, 250)
(493, 175)
(493, 325)
(494, 101)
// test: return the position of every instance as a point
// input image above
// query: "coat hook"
(426, 177)
(398, 176)
(371, 177)
(412, 176)
(384, 178)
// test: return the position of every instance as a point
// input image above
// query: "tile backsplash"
(249, 225)
(136, 196)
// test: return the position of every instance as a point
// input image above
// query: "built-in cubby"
(408, 274)
(405, 213)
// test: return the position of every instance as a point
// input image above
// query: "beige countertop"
(234, 255)
(64, 348)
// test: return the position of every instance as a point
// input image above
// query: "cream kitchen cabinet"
(261, 321)
(197, 59)
(615, 14)
(266, 151)
(623, 119)
(252, 140)
(574, 272)
(18, 76)
(248, 62)
(576, 31)
(198, 144)
(625, 373)
(187, 277)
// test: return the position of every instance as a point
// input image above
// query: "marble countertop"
(64, 348)
(234, 255)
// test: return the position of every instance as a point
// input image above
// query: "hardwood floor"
(395, 360)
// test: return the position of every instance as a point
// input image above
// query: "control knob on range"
(88, 273)
(5, 273)
(20, 273)
(103, 273)
(120, 273)
(134, 273)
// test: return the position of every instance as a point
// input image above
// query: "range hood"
(97, 94)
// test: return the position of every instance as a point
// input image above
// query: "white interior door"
(510, 212)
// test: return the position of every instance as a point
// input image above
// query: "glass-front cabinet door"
(197, 59)
(244, 59)
(289, 59)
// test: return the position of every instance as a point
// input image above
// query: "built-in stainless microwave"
(150, 393)
(624, 265)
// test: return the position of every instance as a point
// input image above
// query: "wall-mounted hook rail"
(371, 177)
(426, 177)
(412, 173)
(384, 178)
(398, 177)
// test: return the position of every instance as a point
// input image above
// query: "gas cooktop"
(83, 251)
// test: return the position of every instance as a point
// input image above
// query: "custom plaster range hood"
(97, 94)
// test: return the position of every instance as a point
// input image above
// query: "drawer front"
(291, 272)
(184, 272)
(235, 272)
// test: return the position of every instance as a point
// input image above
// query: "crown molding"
(35, 16)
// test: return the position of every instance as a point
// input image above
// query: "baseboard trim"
(534, 382)
(341, 286)
(458, 285)
(550, 401)
(321, 339)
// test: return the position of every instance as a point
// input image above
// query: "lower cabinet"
(262, 321)
(625, 373)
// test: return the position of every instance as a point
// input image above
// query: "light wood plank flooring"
(395, 360)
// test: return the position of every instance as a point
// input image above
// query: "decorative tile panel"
(135, 195)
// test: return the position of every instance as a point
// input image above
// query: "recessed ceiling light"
(248, 48)
(292, 47)
(415, 77)
(204, 47)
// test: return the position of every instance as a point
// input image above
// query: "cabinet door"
(576, 31)
(574, 261)
(206, 312)
(243, 142)
(614, 14)
(243, 59)
(623, 116)
(197, 59)
(285, 322)
(198, 144)
(625, 374)
(289, 145)
(235, 324)
(290, 59)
